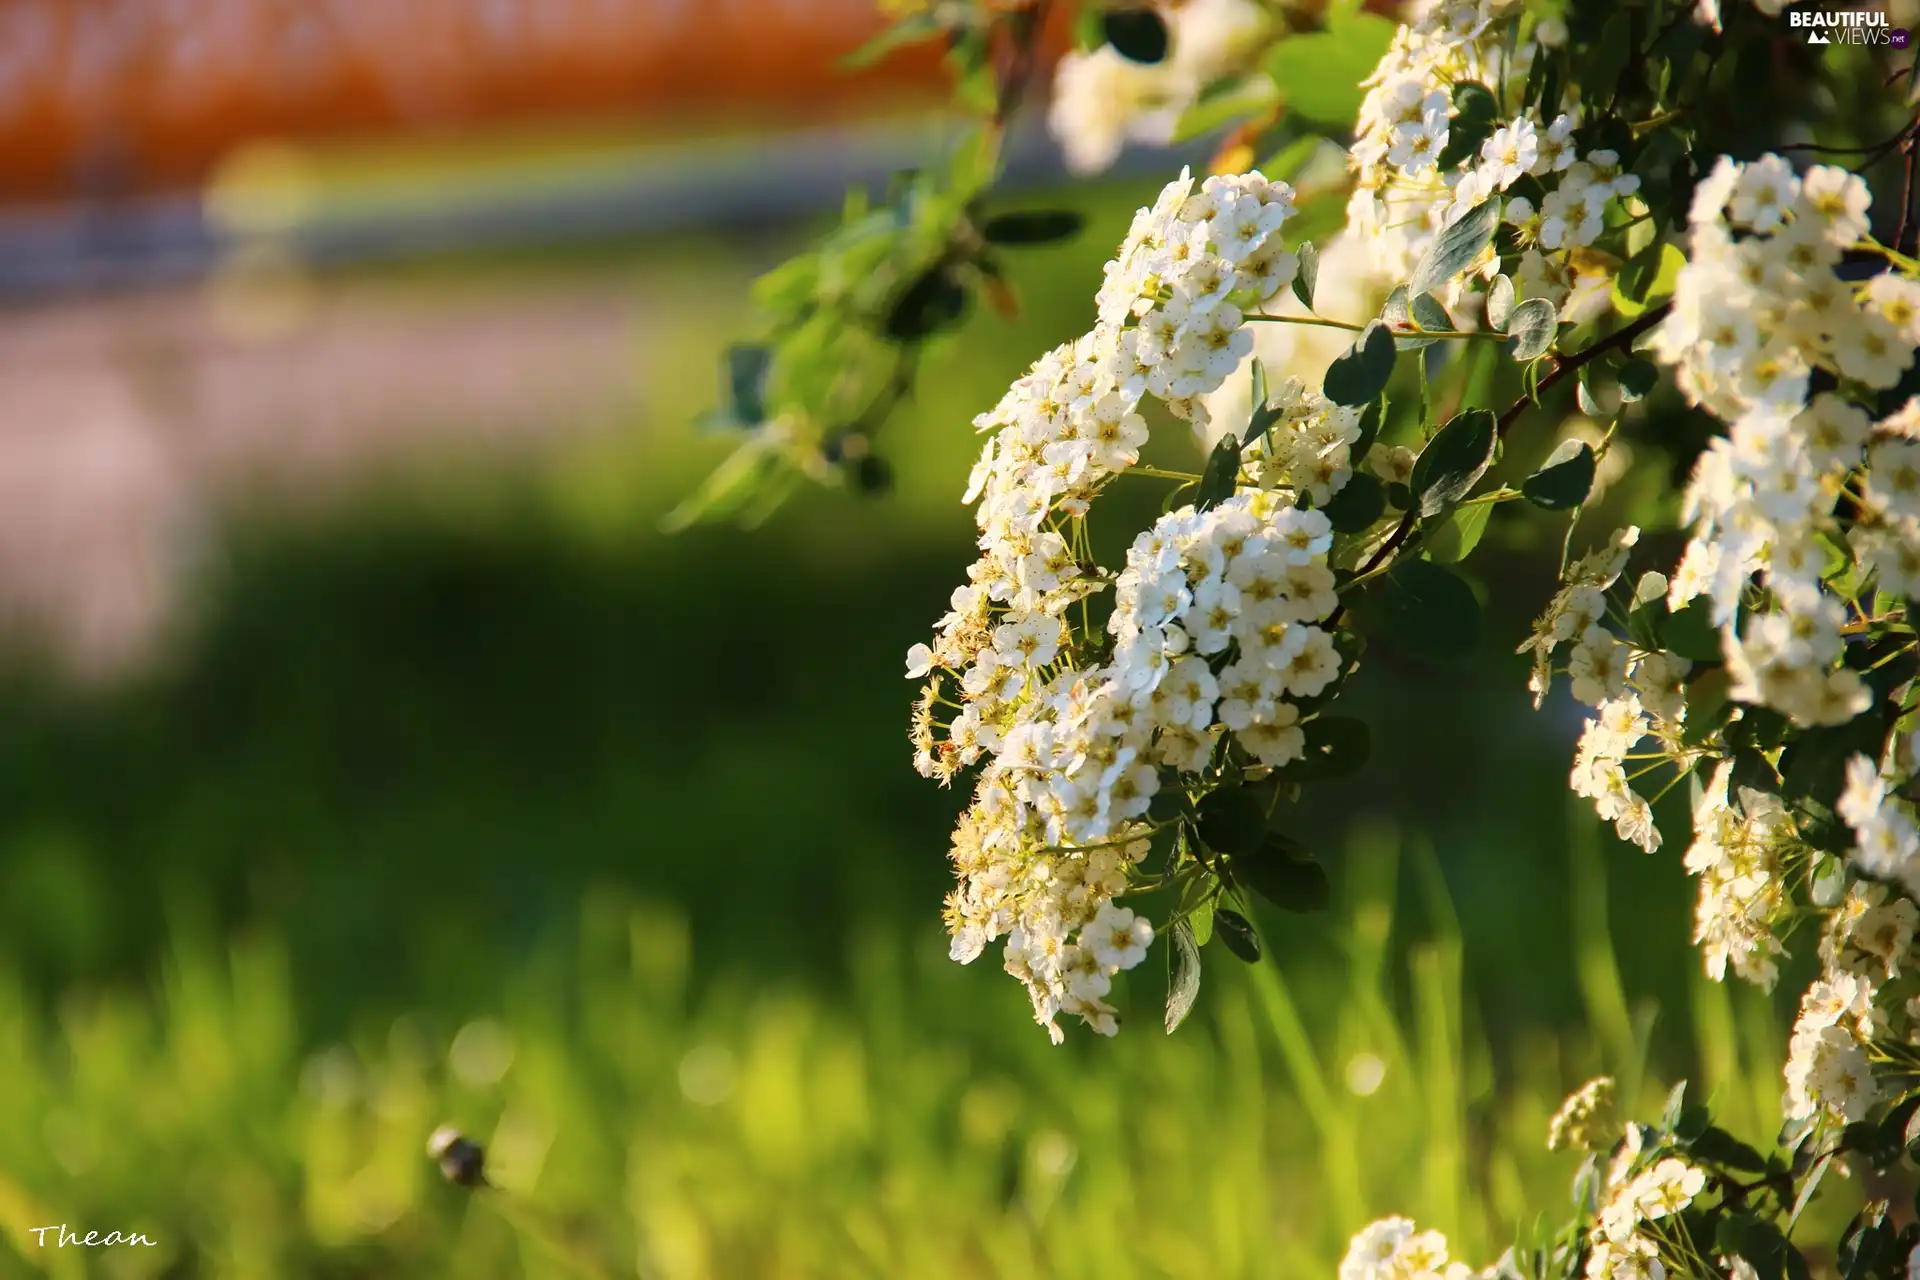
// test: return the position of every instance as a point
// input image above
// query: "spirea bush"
(1536, 194)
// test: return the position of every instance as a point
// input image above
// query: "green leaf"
(1457, 535)
(1223, 469)
(1308, 274)
(1224, 102)
(1637, 377)
(1716, 1146)
(1691, 633)
(1397, 312)
(1361, 374)
(1336, 746)
(749, 366)
(1807, 1189)
(1429, 314)
(1455, 248)
(1036, 226)
(1475, 101)
(1646, 278)
(1232, 822)
(1676, 1103)
(930, 304)
(1564, 479)
(1361, 502)
(1600, 70)
(1865, 1240)
(909, 30)
(1532, 328)
(1370, 419)
(1428, 610)
(1319, 73)
(1453, 461)
(1290, 883)
(1500, 302)
(1183, 975)
(1236, 931)
(1139, 35)
(1464, 136)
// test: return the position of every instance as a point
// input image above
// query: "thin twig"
(1374, 561)
(1579, 359)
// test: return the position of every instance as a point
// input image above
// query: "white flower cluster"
(1077, 754)
(1395, 1249)
(1757, 309)
(1740, 849)
(1635, 692)
(1402, 197)
(1308, 449)
(1626, 1242)
(1585, 1120)
(1886, 838)
(1102, 99)
(1827, 1067)
(1212, 623)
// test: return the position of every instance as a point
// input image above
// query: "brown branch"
(1378, 558)
(1578, 360)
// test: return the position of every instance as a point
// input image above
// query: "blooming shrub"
(1536, 194)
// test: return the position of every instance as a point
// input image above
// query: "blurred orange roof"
(108, 96)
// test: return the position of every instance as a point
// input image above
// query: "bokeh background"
(370, 760)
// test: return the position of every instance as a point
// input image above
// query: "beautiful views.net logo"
(1847, 26)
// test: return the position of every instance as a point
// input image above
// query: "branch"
(1575, 362)
(1378, 558)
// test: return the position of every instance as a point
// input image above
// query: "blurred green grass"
(482, 760)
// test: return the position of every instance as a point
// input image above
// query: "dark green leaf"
(1457, 535)
(1037, 226)
(1288, 882)
(1336, 746)
(1814, 765)
(929, 304)
(1532, 327)
(1223, 469)
(1453, 461)
(1691, 633)
(1862, 1245)
(748, 368)
(1455, 248)
(1475, 101)
(1370, 419)
(1464, 137)
(1183, 975)
(1428, 610)
(1358, 505)
(1637, 377)
(1233, 822)
(1361, 374)
(1600, 70)
(1716, 1146)
(1237, 932)
(1307, 275)
(1564, 479)
(1139, 35)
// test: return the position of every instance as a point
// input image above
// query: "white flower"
(1117, 938)
(1511, 152)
